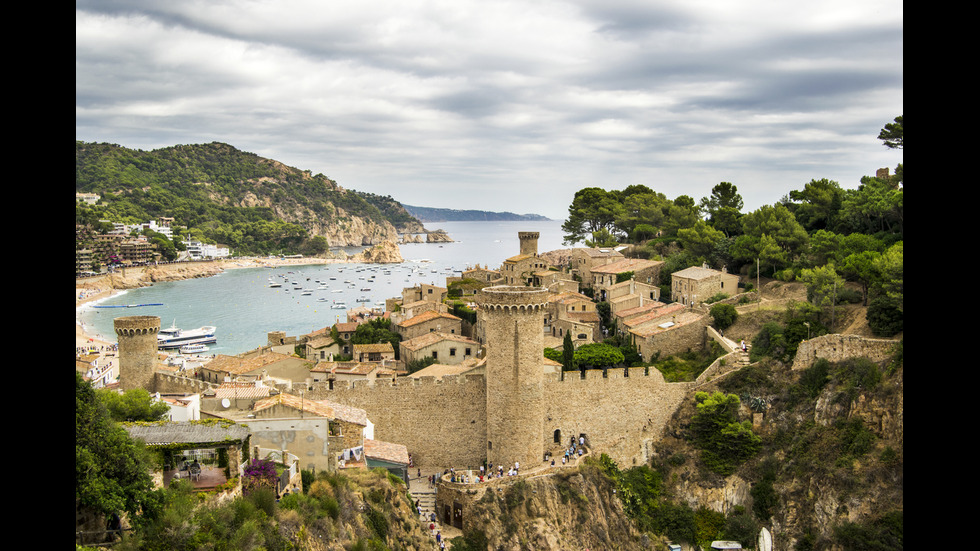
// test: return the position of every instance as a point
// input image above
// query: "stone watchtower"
(529, 242)
(137, 338)
(514, 377)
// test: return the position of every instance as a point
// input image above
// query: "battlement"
(512, 298)
(130, 326)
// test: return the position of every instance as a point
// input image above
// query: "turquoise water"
(244, 308)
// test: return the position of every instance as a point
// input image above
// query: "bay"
(244, 308)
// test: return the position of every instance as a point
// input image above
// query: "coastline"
(97, 288)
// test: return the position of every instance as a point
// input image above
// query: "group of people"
(433, 528)
(486, 473)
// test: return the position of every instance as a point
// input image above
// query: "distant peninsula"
(429, 214)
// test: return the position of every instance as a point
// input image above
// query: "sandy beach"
(95, 288)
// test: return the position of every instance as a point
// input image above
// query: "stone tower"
(137, 338)
(514, 374)
(529, 242)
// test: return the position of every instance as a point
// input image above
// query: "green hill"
(223, 195)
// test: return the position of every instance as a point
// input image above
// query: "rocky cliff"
(831, 459)
(573, 509)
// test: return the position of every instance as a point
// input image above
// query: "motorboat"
(193, 349)
(173, 337)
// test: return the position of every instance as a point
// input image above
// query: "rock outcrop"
(438, 236)
(385, 252)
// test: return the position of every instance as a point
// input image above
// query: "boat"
(274, 284)
(193, 349)
(173, 337)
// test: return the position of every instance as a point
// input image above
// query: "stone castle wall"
(619, 415)
(443, 423)
(836, 347)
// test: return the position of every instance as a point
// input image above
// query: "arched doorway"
(557, 436)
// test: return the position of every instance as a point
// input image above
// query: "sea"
(244, 308)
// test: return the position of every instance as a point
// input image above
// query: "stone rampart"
(443, 423)
(836, 347)
(619, 415)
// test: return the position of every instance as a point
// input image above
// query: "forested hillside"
(823, 235)
(223, 195)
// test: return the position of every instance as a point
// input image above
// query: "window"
(468, 353)
(435, 354)
(452, 351)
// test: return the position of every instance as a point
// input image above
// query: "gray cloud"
(505, 99)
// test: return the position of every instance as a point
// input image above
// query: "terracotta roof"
(241, 390)
(646, 307)
(440, 370)
(347, 413)
(376, 347)
(654, 315)
(349, 327)
(626, 265)
(314, 407)
(386, 451)
(696, 272)
(428, 315)
(237, 366)
(682, 318)
(434, 337)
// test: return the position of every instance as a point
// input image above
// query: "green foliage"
(133, 405)
(765, 499)
(598, 355)
(376, 331)
(724, 315)
(884, 533)
(687, 366)
(111, 469)
(471, 540)
(724, 442)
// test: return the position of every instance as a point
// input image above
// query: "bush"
(724, 316)
(885, 319)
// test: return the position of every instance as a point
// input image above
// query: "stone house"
(520, 269)
(444, 347)
(316, 431)
(583, 260)
(630, 294)
(483, 275)
(269, 364)
(643, 271)
(554, 281)
(424, 291)
(653, 312)
(324, 347)
(428, 322)
(671, 334)
(399, 311)
(572, 313)
(378, 352)
(697, 284)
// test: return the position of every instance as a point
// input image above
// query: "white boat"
(173, 337)
(274, 284)
(193, 349)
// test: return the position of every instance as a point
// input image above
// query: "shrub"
(724, 316)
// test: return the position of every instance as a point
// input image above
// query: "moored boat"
(172, 337)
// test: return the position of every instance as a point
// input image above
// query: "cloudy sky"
(505, 105)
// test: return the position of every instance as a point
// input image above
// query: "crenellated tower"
(529, 242)
(137, 338)
(513, 318)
